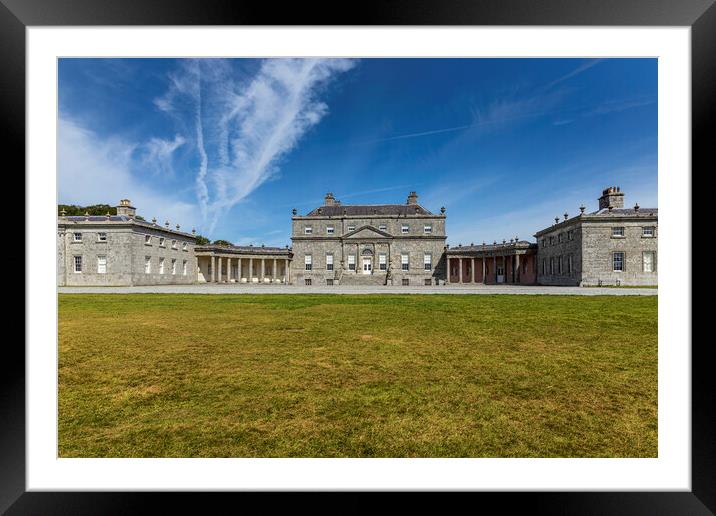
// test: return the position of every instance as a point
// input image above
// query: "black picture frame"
(700, 15)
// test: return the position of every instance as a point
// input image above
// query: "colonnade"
(227, 269)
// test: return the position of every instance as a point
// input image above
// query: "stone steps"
(362, 279)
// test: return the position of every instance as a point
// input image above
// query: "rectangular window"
(101, 237)
(174, 266)
(148, 239)
(78, 264)
(308, 281)
(161, 265)
(427, 261)
(329, 282)
(618, 262)
(174, 244)
(559, 264)
(618, 232)
(329, 262)
(570, 234)
(551, 240)
(308, 230)
(161, 241)
(383, 227)
(649, 260)
(559, 238)
(569, 264)
(147, 264)
(308, 261)
(77, 237)
(183, 268)
(405, 229)
(428, 282)
(406, 282)
(101, 265)
(351, 227)
(184, 247)
(351, 262)
(330, 230)
(551, 266)
(544, 266)
(382, 262)
(648, 232)
(427, 229)
(404, 263)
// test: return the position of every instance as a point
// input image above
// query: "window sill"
(648, 236)
(617, 237)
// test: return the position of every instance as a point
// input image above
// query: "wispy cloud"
(579, 70)
(157, 154)
(243, 128)
(91, 167)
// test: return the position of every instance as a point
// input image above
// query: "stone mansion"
(366, 244)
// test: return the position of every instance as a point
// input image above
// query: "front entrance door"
(367, 265)
(500, 274)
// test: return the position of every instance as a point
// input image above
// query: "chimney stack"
(412, 198)
(329, 200)
(612, 196)
(125, 208)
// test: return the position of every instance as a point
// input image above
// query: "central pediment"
(367, 231)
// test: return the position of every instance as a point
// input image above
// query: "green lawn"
(150, 375)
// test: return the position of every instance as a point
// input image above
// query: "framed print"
(430, 300)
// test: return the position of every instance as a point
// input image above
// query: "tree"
(222, 242)
(202, 240)
(94, 209)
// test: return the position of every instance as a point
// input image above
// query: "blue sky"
(231, 146)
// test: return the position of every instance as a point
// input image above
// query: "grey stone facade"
(612, 246)
(368, 244)
(122, 250)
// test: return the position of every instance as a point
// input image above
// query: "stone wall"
(125, 252)
(599, 246)
(560, 250)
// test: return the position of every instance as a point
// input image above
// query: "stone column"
(286, 272)
(251, 271)
(273, 271)
(219, 271)
(472, 271)
(447, 269)
(213, 268)
(484, 275)
(517, 268)
(238, 271)
(494, 267)
(459, 272)
(261, 278)
(228, 270)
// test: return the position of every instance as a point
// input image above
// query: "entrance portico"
(243, 264)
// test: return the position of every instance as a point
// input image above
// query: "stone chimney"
(125, 208)
(612, 196)
(329, 200)
(412, 198)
